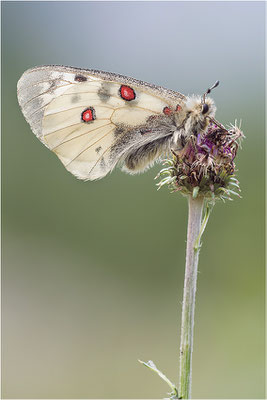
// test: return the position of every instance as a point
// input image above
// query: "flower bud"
(205, 166)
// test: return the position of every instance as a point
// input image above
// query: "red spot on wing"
(80, 78)
(167, 111)
(127, 93)
(144, 131)
(88, 114)
(178, 107)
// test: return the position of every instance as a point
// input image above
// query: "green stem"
(194, 232)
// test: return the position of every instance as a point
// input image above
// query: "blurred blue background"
(93, 272)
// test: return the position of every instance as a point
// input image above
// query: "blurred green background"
(93, 272)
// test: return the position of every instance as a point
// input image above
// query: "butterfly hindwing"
(90, 119)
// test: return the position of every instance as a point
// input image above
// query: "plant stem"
(195, 208)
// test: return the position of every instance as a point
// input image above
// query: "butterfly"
(93, 120)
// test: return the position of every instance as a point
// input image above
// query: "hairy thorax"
(193, 119)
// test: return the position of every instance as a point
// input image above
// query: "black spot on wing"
(120, 130)
(75, 98)
(103, 164)
(53, 84)
(143, 131)
(80, 78)
(123, 138)
(103, 92)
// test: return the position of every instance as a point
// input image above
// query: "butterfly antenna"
(209, 90)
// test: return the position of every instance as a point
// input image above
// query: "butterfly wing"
(89, 118)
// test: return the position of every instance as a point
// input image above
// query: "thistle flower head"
(205, 166)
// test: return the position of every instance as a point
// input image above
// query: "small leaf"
(235, 184)
(234, 193)
(150, 364)
(195, 192)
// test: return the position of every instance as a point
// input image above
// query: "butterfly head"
(198, 115)
(198, 109)
(202, 105)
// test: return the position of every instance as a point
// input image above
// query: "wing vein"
(97, 161)
(78, 123)
(78, 155)
(76, 137)
(50, 133)
(73, 108)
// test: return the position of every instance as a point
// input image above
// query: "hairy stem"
(194, 231)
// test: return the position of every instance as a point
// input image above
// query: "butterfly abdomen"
(141, 158)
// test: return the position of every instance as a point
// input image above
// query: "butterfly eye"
(205, 108)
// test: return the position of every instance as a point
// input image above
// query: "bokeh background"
(93, 272)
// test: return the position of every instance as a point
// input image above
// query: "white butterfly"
(93, 120)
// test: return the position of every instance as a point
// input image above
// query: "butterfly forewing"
(81, 115)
